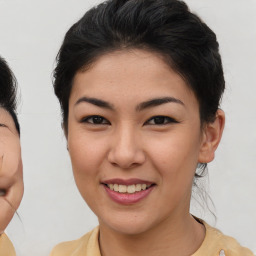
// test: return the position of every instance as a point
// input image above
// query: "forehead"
(146, 73)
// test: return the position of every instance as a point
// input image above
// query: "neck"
(181, 236)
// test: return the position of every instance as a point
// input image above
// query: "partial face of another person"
(135, 139)
(11, 182)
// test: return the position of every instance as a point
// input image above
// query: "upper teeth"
(128, 189)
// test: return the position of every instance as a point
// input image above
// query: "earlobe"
(212, 133)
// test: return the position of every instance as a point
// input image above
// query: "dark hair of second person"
(11, 180)
(8, 91)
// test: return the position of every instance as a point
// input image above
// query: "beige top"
(6, 247)
(214, 244)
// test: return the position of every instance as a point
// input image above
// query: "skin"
(11, 181)
(128, 143)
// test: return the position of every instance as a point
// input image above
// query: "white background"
(31, 32)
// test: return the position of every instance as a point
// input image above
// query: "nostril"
(126, 158)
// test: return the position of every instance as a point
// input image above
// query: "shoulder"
(221, 244)
(6, 247)
(86, 245)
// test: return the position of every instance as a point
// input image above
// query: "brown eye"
(2, 125)
(97, 120)
(160, 120)
(2, 192)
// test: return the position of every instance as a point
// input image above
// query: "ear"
(212, 133)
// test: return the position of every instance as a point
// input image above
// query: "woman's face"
(11, 182)
(134, 139)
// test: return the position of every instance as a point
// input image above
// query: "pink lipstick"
(128, 191)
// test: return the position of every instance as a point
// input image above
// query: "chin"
(128, 226)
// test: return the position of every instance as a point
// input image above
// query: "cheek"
(10, 154)
(175, 150)
(176, 158)
(11, 178)
(6, 214)
(176, 167)
(86, 153)
(18, 189)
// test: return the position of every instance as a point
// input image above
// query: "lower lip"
(126, 198)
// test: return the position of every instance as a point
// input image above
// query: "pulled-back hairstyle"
(8, 91)
(166, 27)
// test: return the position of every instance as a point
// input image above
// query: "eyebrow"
(157, 102)
(144, 105)
(96, 102)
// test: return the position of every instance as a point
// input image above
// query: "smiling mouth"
(129, 189)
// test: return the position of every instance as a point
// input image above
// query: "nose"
(126, 149)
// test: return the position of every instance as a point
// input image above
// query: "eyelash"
(95, 118)
(99, 120)
(164, 120)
